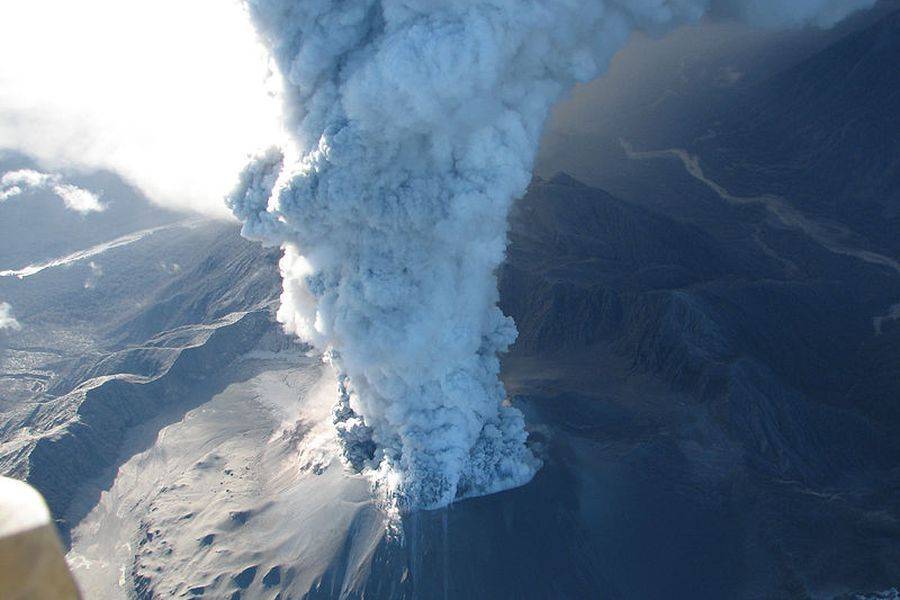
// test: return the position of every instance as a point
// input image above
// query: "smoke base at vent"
(416, 123)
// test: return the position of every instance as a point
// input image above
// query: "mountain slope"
(823, 135)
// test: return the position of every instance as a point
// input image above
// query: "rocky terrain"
(707, 360)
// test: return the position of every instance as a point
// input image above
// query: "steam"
(415, 124)
(14, 183)
(7, 320)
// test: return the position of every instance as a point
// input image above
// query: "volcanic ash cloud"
(415, 124)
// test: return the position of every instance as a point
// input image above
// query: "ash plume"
(415, 124)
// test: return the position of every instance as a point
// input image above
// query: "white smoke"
(94, 276)
(7, 321)
(416, 123)
(14, 183)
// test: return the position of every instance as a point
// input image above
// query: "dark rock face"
(731, 330)
(713, 390)
(716, 411)
(823, 134)
(675, 387)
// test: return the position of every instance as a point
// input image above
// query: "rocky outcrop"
(83, 443)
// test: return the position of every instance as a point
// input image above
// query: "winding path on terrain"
(827, 235)
(124, 240)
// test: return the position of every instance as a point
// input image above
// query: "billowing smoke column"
(416, 123)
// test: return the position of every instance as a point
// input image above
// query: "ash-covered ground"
(707, 361)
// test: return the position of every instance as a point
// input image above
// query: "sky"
(157, 91)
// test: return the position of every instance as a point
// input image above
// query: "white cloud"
(26, 177)
(14, 183)
(10, 192)
(7, 321)
(170, 94)
(78, 199)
